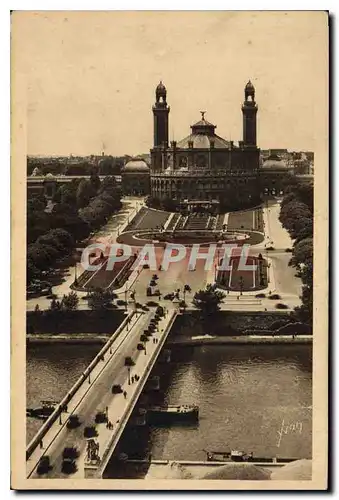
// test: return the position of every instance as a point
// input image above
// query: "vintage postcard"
(169, 250)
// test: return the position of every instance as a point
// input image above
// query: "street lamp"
(241, 284)
(75, 274)
(126, 296)
(129, 375)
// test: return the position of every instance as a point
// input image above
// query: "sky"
(90, 77)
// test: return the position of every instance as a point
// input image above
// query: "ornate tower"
(249, 111)
(160, 112)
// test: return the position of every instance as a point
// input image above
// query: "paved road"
(177, 275)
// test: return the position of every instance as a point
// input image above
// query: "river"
(252, 398)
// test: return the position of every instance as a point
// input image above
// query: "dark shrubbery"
(295, 329)
(81, 321)
(278, 324)
(296, 215)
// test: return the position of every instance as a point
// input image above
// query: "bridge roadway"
(95, 394)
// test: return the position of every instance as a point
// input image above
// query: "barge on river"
(44, 411)
(167, 414)
(241, 456)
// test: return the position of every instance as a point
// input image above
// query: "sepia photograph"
(169, 249)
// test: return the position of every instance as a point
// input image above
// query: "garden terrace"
(238, 280)
(173, 222)
(147, 218)
(249, 219)
(197, 221)
(181, 222)
(220, 222)
(203, 237)
(104, 278)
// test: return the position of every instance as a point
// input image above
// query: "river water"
(251, 398)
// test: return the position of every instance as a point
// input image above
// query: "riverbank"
(73, 338)
(243, 339)
(88, 338)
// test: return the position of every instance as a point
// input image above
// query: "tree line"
(296, 216)
(107, 165)
(79, 208)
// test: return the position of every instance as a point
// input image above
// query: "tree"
(85, 193)
(59, 238)
(302, 252)
(70, 302)
(67, 195)
(55, 305)
(296, 216)
(99, 299)
(169, 204)
(109, 184)
(95, 181)
(31, 270)
(41, 256)
(208, 301)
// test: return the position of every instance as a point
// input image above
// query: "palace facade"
(204, 166)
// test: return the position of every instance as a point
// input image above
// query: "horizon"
(91, 77)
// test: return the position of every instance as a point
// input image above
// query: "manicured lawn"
(148, 219)
(250, 219)
(246, 280)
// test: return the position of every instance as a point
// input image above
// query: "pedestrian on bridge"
(125, 394)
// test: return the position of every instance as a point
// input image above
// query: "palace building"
(204, 167)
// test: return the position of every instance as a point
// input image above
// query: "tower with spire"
(249, 111)
(160, 116)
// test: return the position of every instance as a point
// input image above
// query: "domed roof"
(274, 164)
(203, 141)
(136, 165)
(203, 126)
(203, 136)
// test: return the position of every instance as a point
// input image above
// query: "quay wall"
(232, 324)
(71, 322)
(245, 339)
(89, 327)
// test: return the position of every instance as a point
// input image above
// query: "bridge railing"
(143, 378)
(57, 412)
